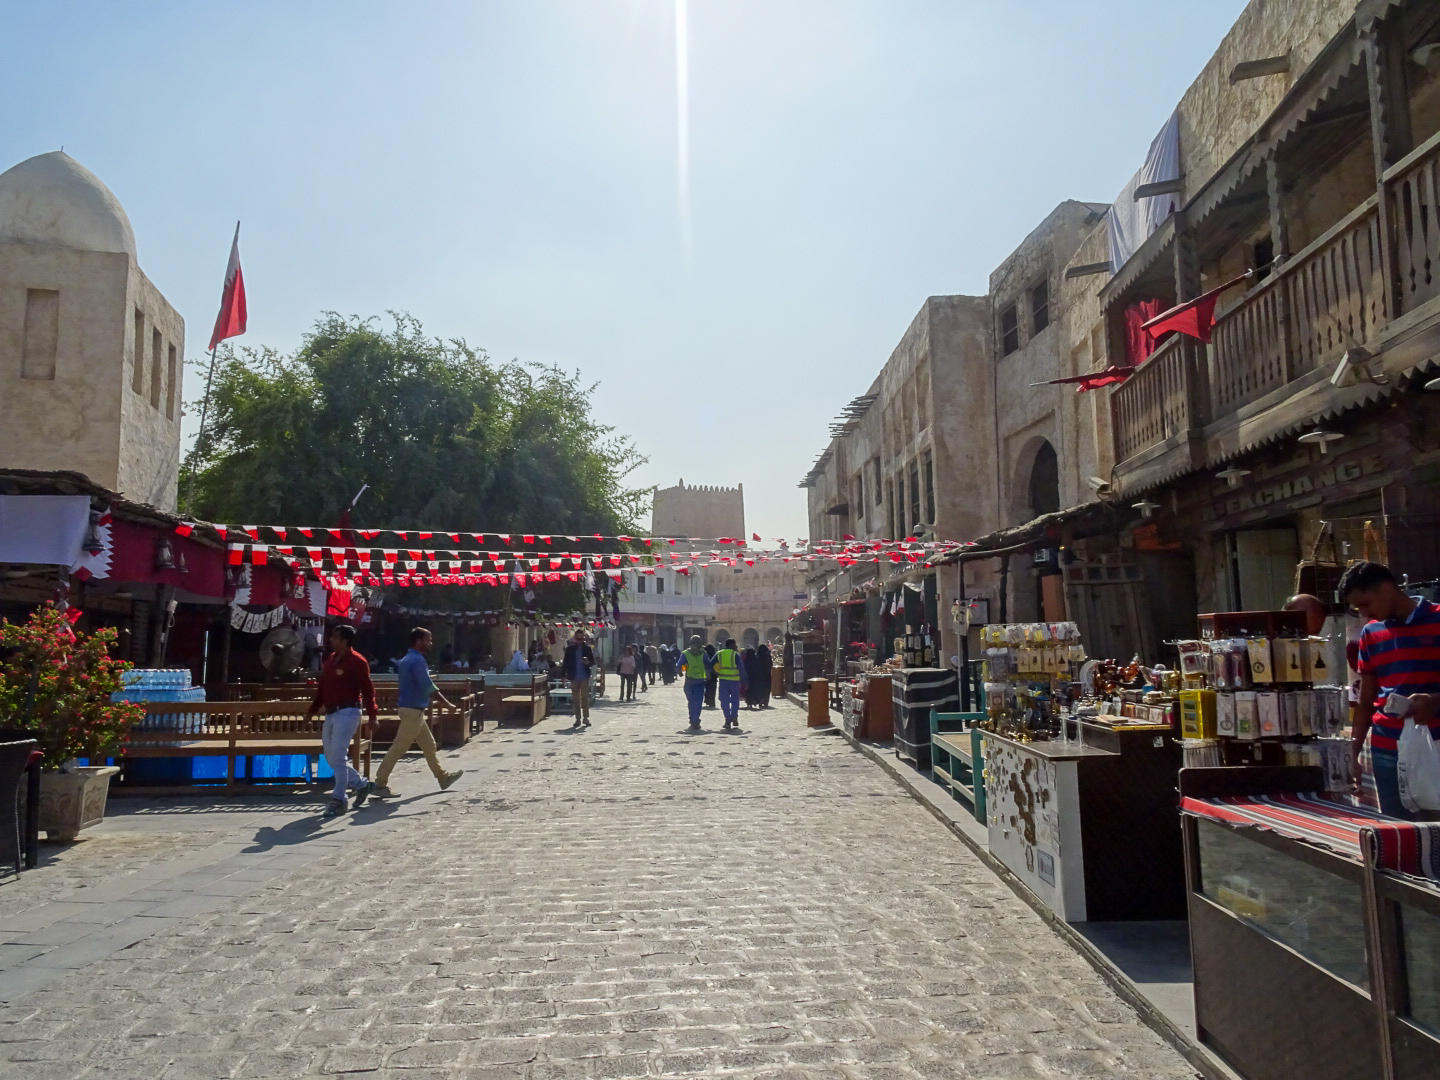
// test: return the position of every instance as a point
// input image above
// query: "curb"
(1210, 1066)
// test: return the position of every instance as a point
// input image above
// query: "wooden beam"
(1086, 269)
(1255, 69)
(1160, 187)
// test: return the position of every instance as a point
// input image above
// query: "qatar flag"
(231, 320)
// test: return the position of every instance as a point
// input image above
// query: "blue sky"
(507, 172)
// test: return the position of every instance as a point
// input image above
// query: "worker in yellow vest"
(731, 679)
(696, 666)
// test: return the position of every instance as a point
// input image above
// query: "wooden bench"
(520, 699)
(956, 761)
(233, 729)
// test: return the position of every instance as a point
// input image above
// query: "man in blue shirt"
(416, 688)
(577, 666)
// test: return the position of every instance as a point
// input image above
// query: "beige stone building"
(698, 510)
(91, 354)
(1306, 150)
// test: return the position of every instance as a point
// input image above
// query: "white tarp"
(43, 529)
(1133, 221)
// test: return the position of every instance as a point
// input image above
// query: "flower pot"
(73, 800)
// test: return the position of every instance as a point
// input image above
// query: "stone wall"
(69, 402)
(699, 510)
(1216, 116)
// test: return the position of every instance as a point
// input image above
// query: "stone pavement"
(625, 901)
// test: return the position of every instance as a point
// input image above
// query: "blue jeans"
(729, 690)
(336, 735)
(695, 698)
(1386, 765)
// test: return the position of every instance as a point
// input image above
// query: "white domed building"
(91, 354)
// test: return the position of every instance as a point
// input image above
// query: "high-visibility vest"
(727, 664)
(694, 664)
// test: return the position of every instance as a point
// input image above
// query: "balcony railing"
(1155, 403)
(1325, 299)
(1334, 294)
(667, 604)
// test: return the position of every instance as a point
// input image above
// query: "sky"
(727, 239)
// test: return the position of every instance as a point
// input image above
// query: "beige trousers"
(580, 698)
(413, 731)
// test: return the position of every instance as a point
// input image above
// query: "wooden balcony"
(1269, 362)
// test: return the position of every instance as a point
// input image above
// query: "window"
(155, 370)
(42, 334)
(929, 489)
(137, 377)
(875, 484)
(915, 518)
(899, 505)
(171, 383)
(659, 585)
(1040, 307)
(890, 509)
(857, 495)
(639, 583)
(1009, 330)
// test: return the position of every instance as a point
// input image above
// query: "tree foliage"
(446, 439)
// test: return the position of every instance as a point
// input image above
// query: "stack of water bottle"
(159, 684)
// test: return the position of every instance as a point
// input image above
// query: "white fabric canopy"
(45, 529)
(1133, 221)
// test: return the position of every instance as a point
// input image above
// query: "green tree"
(446, 439)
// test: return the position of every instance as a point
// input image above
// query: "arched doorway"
(750, 638)
(721, 636)
(774, 635)
(1044, 488)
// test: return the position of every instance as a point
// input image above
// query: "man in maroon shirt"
(344, 686)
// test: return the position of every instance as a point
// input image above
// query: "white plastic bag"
(1419, 768)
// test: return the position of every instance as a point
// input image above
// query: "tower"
(91, 354)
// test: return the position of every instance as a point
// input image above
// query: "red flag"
(231, 320)
(1194, 317)
(754, 536)
(1115, 373)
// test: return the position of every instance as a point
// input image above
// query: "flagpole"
(200, 432)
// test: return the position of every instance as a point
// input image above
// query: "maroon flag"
(231, 320)
(1194, 317)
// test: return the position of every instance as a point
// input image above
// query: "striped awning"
(1403, 846)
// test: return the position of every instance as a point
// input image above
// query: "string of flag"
(282, 534)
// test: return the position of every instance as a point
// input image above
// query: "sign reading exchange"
(1307, 483)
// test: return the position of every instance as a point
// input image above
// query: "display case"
(1091, 826)
(1315, 933)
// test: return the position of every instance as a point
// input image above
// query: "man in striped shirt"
(1399, 653)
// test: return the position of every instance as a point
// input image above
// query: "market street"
(627, 901)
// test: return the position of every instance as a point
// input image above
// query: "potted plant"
(58, 685)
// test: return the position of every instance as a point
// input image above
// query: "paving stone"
(623, 902)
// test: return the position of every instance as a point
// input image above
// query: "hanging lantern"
(164, 555)
(91, 542)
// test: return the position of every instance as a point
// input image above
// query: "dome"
(52, 199)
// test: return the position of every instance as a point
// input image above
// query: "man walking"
(692, 662)
(578, 663)
(731, 678)
(415, 690)
(710, 677)
(652, 661)
(1399, 655)
(343, 687)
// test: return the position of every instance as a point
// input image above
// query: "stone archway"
(750, 638)
(774, 635)
(1035, 481)
(721, 636)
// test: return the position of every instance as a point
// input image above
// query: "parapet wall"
(699, 510)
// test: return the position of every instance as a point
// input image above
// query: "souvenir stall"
(1079, 797)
